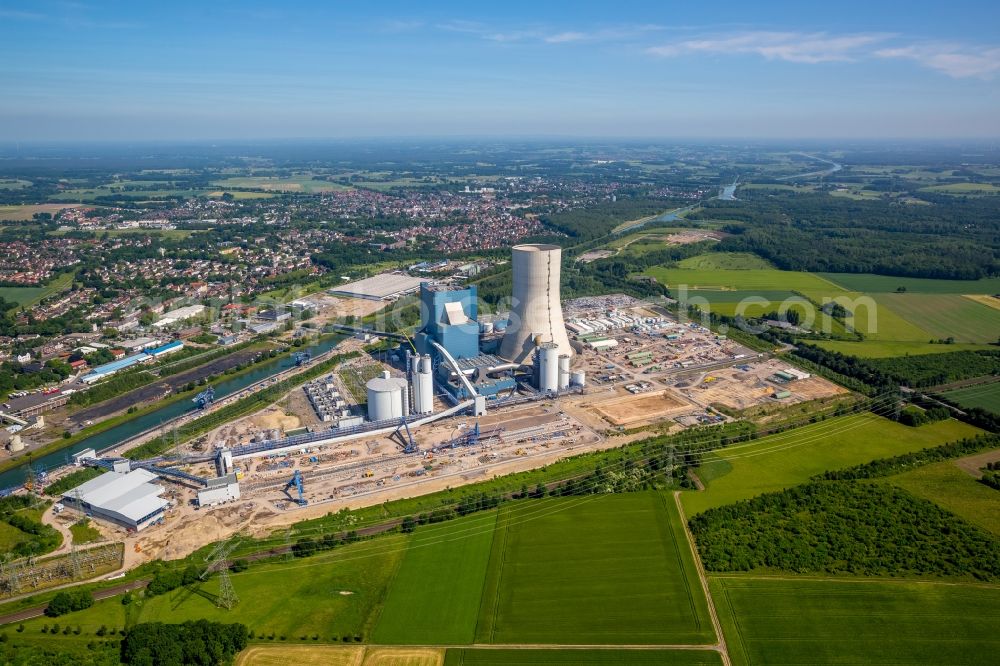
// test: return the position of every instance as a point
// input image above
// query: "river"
(132, 427)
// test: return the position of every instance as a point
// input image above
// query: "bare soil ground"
(335, 655)
(973, 465)
(642, 407)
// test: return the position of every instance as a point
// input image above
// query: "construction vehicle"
(296, 481)
(301, 358)
(368, 474)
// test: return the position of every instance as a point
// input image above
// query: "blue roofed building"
(448, 316)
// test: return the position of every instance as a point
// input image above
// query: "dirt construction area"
(332, 655)
(644, 407)
(755, 384)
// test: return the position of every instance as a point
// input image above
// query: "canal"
(132, 427)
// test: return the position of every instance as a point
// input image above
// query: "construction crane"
(296, 481)
(301, 358)
(205, 398)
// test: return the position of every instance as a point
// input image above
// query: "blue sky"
(216, 70)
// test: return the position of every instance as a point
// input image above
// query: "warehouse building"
(384, 287)
(129, 499)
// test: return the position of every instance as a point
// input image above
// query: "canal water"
(132, 427)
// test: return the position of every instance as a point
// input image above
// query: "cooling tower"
(535, 310)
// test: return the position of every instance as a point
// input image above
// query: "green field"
(887, 348)
(434, 598)
(983, 396)
(725, 261)
(305, 184)
(612, 569)
(954, 490)
(789, 621)
(945, 315)
(872, 284)
(789, 458)
(27, 211)
(770, 279)
(963, 188)
(332, 594)
(527, 657)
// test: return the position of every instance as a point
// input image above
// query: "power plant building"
(130, 498)
(536, 316)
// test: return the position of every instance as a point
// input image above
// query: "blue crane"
(296, 481)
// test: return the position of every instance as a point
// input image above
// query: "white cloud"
(563, 37)
(957, 61)
(801, 47)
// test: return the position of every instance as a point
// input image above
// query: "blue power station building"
(449, 317)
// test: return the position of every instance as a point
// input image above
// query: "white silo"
(536, 310)
(578, 378)
(388, 398)
(423, 386)
(563, 372)
(548, 367)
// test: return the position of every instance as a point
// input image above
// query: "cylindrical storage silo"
(548, 373)
(486, 327)
(425, 379)
(387, 398)
(563, 372)
(578, 378)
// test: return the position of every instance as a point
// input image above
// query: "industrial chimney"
(536, 314)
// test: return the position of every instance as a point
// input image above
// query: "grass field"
(240, 195)
(593, 570)
(872, 284)
(28, 296)
(770, 279)
(945, 315)
(335, 655)
(985, 397)
(963, 188)
(872, 317)
(887, 348)
(788, 621)
(725, 261)
(333, 595)
(789, 458)
(523, 657)
(955, 490)
(84, 532)
(27, 211)
(434, 598)
(305, 184)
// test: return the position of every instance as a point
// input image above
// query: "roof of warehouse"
(380, 286)
(130, 495)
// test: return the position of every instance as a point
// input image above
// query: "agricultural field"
(985, 397)
(780, 461)
(861, 621)
(889, 348)
(954, 490)
(304, 184)
(14, 184)
(945, 315)
(699, 273)
(334, 655)
(337, 593)
(612, 569)
(606, 657)
(28, 211)
(237, 194)
(963, 188)
(887, 284)
(444, 563)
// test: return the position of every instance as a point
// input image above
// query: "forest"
(820, 233)
(844, 527)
